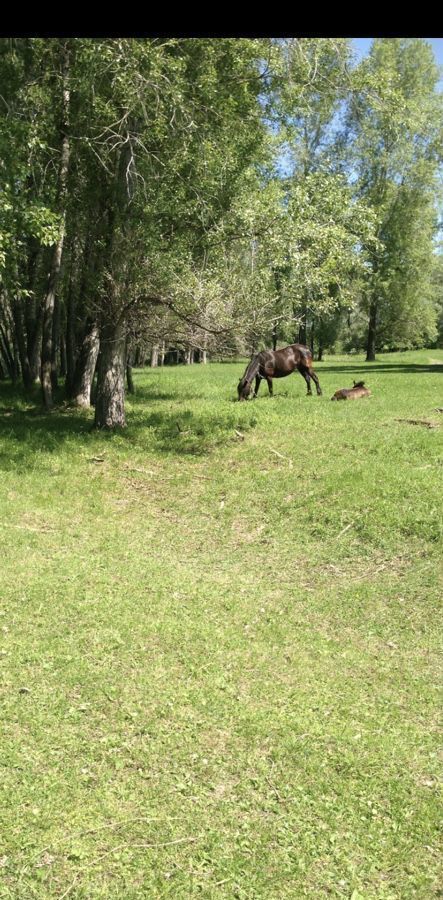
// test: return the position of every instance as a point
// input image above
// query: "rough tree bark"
(85, 366)
(110, 401)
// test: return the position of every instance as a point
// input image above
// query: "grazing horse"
(271, 364)
(353, 393)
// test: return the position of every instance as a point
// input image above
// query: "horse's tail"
(249, 375)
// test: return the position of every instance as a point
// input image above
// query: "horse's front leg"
(257, 384)
(271, 390)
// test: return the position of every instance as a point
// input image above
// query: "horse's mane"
(251, 371)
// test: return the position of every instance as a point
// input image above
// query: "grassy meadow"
(220, 635)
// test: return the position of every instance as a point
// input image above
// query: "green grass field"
(220, 640)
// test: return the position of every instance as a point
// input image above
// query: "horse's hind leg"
(304, 371)
(317, 383)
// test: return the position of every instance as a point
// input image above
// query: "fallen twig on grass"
(189, 840)
(122, 824)
(280, 455)
(344, 530)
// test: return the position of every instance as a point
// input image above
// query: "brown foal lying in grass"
(353, 393)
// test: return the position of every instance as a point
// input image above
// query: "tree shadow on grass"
(369, 367)
(26, 432)
(148, 393)
(184, 432)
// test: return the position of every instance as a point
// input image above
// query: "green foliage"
(395, 123)
(223, 193)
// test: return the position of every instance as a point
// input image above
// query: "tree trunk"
(162, 353)
(85, 367)
(16, 369)
(129, 378)
(311, 339)
(63, 358)
(19, 325)
(7, 353)
(55, 342)
(372, 332)
(34, 352)
(110, 402)
(274, 336)
(47, 343)
(70, 340)
(154, 356)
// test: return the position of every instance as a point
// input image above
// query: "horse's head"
(243, 389)
(359, 384)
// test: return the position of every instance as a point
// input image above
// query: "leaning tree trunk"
(372, 332)
(85, 366)
(7, 353)
(47, 375)
(110, 401)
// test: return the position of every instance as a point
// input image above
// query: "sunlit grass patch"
(219, 640)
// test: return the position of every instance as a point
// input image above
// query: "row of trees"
(210, 194)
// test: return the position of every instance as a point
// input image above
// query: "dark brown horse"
(271, 364)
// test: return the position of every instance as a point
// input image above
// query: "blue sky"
(363, 45)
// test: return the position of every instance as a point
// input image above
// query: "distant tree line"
(182, 199)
